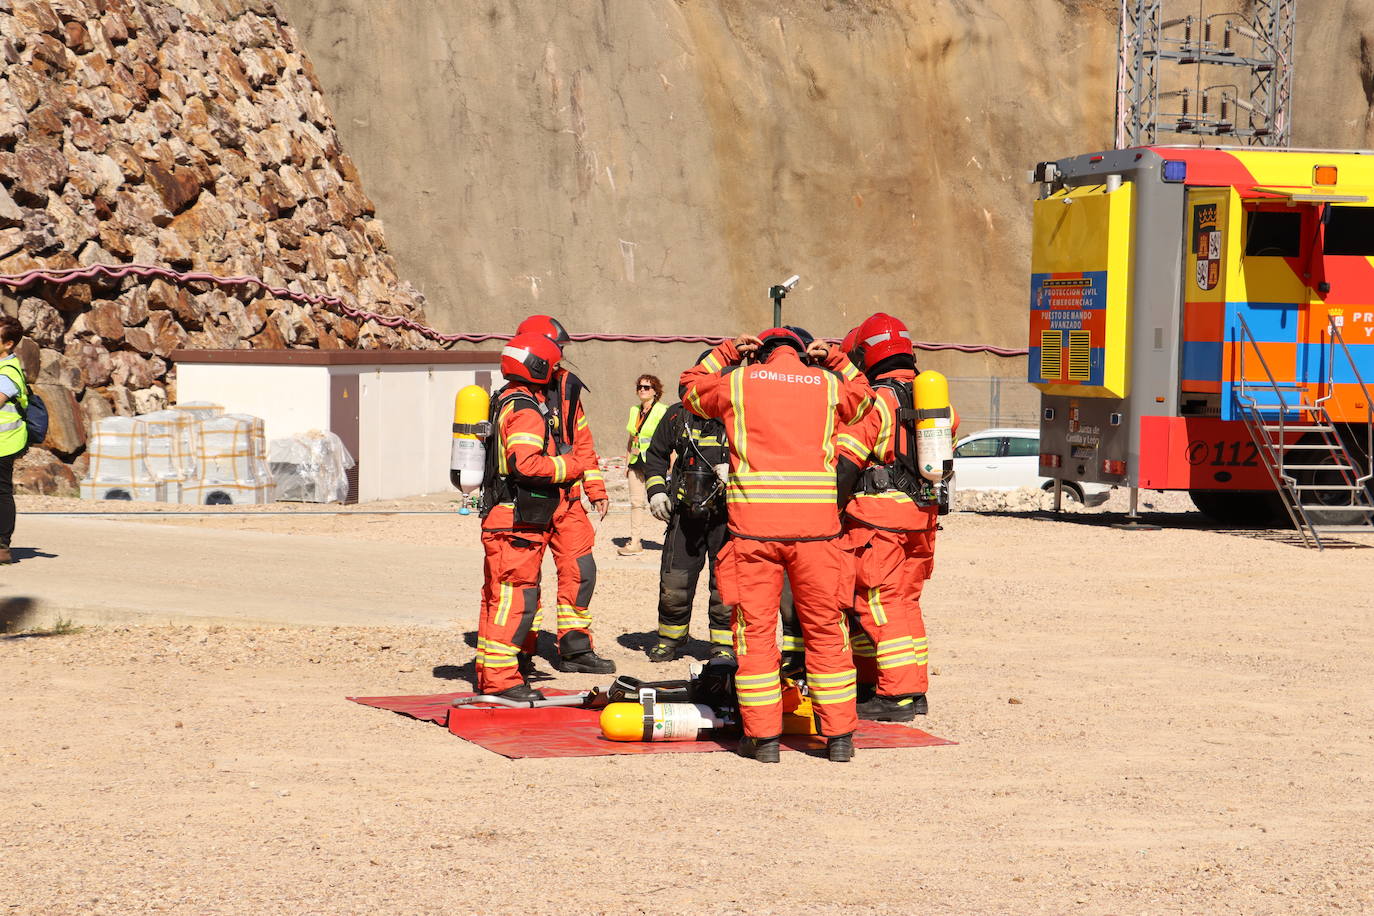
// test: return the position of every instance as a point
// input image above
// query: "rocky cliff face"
(185, 134)
(653, 166)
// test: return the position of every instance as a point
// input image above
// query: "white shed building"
(393, 409)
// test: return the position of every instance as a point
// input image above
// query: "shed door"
(343, 422)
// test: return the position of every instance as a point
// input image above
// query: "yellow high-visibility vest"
(14, 435)
(643, 432)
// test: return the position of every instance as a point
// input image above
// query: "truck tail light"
(1048, 460)
(1114, 468)
(1324, 174)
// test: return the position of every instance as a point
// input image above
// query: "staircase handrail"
(1273, 383)
(1338, 337)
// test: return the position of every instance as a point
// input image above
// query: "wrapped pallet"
(118, 471)
(230, 453)
(166, 438)
(310, 467)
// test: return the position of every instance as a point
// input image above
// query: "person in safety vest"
(641, 424)
(523, 493)
(692, 501)
(889, 528)
(14, 434)
(573, 535)
(780, 414)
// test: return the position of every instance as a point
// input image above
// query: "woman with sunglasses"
(643, 420)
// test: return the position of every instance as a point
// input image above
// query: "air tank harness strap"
(647, 695)
(481, 428)
(884, 477)
(929, 413)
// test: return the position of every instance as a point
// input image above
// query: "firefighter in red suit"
(781, 414)
(889, 529)
(524, 492)
(573, 535)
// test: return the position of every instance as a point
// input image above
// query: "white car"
(1008, 459)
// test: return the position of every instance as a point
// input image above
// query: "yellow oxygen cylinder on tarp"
(934, 426)
(468, 461)
(798, 715)
(663, 721)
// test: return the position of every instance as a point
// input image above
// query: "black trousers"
(6, 499)
(791, 629)
(688, 545)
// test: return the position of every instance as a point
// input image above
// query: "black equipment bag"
(535, 505)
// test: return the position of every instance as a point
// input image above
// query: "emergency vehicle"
(1202, 319)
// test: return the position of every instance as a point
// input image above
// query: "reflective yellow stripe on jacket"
(782, 487)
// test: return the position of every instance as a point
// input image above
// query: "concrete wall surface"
(405, 426)
(289, 399)
(651, 167)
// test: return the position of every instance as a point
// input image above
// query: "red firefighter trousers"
(510, 603)
(889, 633)
(571, 541)
(749, 574)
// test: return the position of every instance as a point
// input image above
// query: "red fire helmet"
(850, 345)
(530, 357)
(547, 325)
(881, 336)
(773, 338)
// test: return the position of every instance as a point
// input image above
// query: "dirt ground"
(1177, 720)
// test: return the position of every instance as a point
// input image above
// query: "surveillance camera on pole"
(778, 293)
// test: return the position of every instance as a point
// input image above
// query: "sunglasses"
(644, 387)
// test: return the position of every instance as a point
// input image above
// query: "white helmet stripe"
(885, 335)
(519, 354)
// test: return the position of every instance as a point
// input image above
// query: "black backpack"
(35, 416)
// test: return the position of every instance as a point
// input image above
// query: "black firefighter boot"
(881, 708)
(523, 693)
(575, 655)
(525, 663)
(764, 750)
(840, 749)
(665, 650)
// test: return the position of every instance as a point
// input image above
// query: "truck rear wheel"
(1243, 508)
(1332, 477)
(1072, 491)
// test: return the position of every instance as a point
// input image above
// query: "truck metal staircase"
(1324, 485)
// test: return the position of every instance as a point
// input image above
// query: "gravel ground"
(1171, 720)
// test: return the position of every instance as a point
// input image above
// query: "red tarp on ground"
(566, 731)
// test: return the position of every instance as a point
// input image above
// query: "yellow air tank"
(671, 722)
(934, 426)
(798, 716)
(470, 428)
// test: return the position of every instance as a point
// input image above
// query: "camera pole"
(778, 293)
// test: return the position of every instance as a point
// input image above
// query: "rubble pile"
(192, 136)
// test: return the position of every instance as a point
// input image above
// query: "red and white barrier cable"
(147, 272)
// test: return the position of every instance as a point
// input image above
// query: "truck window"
(1271, 234)
(1350, 231)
